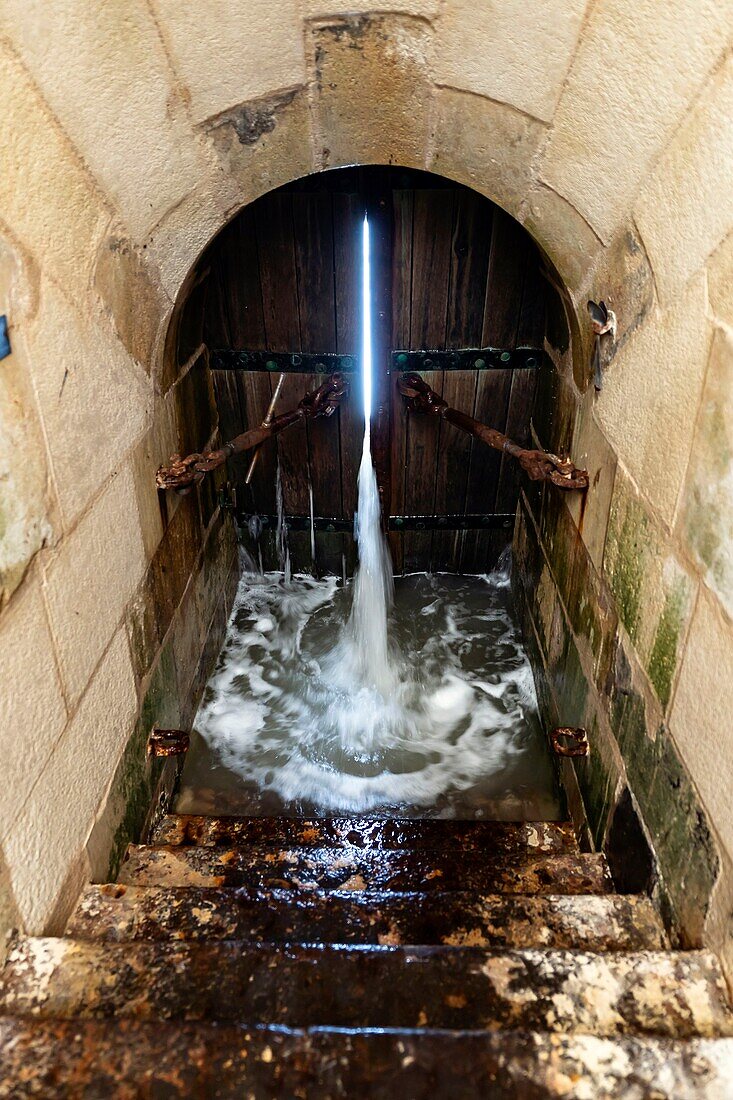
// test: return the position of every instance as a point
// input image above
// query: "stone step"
(354, 869)
(365, 832)
(609, 922)
(673, 994)
(57, 1060)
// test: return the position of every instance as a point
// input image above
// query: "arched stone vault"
(135, 132)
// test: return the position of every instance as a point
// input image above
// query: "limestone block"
(590, 451)
(48, 836)
(484, 145)
(720, 281)
(563, 233)
(9, 916)
(700, 718)
(32, 708)
(91, 577)
(653, 591)
(637, 69)
(182, 235)
(686, 206)
(265, 143)
(707, 514)
(225, 52)
(46, 196)
(131, 295)
(94, 402)
(371, 89)
(650, 397)
(24, 524)
(118, 106)
(511, 51)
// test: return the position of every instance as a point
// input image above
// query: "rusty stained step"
(89, 1059)
(355, 869)
(608, 922)
(672, 994)
(509, 838)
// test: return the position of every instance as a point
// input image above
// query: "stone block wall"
(133, 132)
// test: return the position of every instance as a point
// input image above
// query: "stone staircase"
(269, 957)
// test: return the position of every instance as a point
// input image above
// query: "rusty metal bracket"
(168, 742)
(569, 741)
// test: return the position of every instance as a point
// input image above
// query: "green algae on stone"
(663, 660)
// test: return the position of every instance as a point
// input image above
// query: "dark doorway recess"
(451, 270)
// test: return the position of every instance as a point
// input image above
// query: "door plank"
(431, 264)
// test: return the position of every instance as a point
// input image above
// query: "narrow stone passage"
(334, 957)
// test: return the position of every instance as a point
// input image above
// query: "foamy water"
(286, 726)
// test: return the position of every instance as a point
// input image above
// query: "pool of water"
(285, 727)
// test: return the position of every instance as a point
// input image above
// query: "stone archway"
(129, 173)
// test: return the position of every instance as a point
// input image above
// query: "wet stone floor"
(283, 730)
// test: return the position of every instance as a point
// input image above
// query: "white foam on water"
(296, 707)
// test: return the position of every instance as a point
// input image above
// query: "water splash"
(283, 731)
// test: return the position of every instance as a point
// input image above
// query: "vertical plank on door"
(530, 333)
(239, 263)
(348, 211)
(470, 247)
(431, 248)
(507, 266)
(314, 258)
(276, 250)
(402, 213)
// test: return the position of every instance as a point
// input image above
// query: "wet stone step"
(594, 923)
(88, 1059)
(673, 994)
(340, 832)
(355, 869)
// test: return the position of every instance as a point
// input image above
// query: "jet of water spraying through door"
(369, 661)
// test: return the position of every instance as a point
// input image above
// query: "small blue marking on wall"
(4, 338)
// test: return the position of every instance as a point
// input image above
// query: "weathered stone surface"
(371, 93)
(24, 508)
(686, 206)
(369, 833)
(700, 717)
(675, 995)
(590, 451)
(595, 923)
(562, 232)
(528, 71)
(32, 706)
(230, 58)
(653, 592)
(264, 143)
(131, 295)
(650, 397)
(354, 869)
(485, 145)
(48, 199)
(707, 511)
(84, 610)
(57, 1059)
(426, 8)
(630, 84)
(94, 402)
(45, 845)
(123, 114)
(720, 281)
(670, 804)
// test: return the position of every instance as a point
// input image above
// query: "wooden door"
(281, 286)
